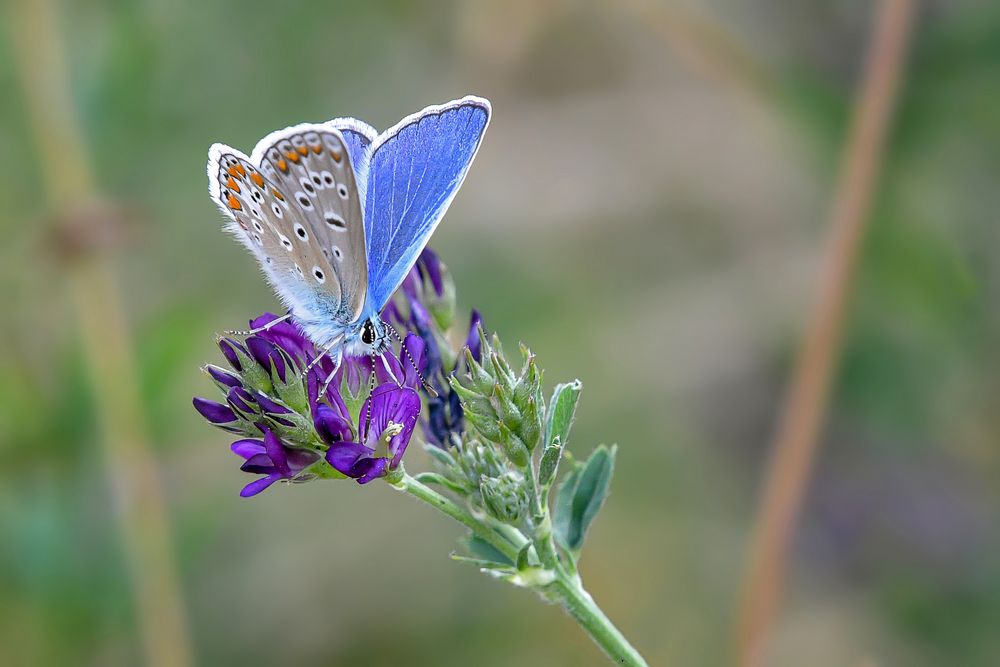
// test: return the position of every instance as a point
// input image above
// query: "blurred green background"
(647, 212)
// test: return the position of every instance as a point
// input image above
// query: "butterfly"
(336, 213)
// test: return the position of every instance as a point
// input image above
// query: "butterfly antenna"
(250, 332)
(402, 345)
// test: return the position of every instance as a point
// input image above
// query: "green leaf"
(440, 480)
(440, 455)
(581, 496)
(480, 563)
(562, 512)
(562, 410)
(481, 549)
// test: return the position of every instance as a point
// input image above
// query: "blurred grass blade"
(130, 467)
(797, 435)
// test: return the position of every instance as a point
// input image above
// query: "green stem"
(541, 524)
(566, 589)
(401, 481)
(589, 616)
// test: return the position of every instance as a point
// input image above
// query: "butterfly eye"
(368, 333)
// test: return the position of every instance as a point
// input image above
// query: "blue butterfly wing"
(358, 136)
(414, 170)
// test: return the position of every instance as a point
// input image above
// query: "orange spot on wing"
(239, 168)
(234, 203)
(292, 155)
(258, 179)
(337, 156)
(283, 166)
(317, 149)
(278, 194)
(303, 150)
(233, 171)
(233, 185)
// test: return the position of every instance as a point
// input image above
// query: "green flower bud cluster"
(504, 406)
(504, 497)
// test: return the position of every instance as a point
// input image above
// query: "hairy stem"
(575, 600)
(541, 524)
(402, 481)
(565, 589)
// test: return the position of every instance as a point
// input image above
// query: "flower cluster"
(293, 430)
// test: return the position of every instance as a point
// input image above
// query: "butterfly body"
(336, 213)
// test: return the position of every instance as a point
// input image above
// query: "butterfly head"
(370, 337)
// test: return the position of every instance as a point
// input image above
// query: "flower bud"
(530, 429)
(505, 407)
(504, 497)
(481, 380)
(242, 402)
(487, 425)
(253, 375)
(291, 388)
(440, 298)
(549, 465)
(475, 460)
(513, 446)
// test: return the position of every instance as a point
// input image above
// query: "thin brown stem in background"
(796, 440)
(129, 462)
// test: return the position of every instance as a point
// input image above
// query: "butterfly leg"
(324, 352)
(371, 391)
(402, 346)
(337, 360)
(250, 332)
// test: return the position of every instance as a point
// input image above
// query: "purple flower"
(229, 348)
(445, 417)
(271, 458)
(429, 265)
(331, 425)
(472, 339)
(223, 377)
(267, 355)
(240, 399)
(386, 433)
(287, 336)
(253, 405)
(214, 412)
